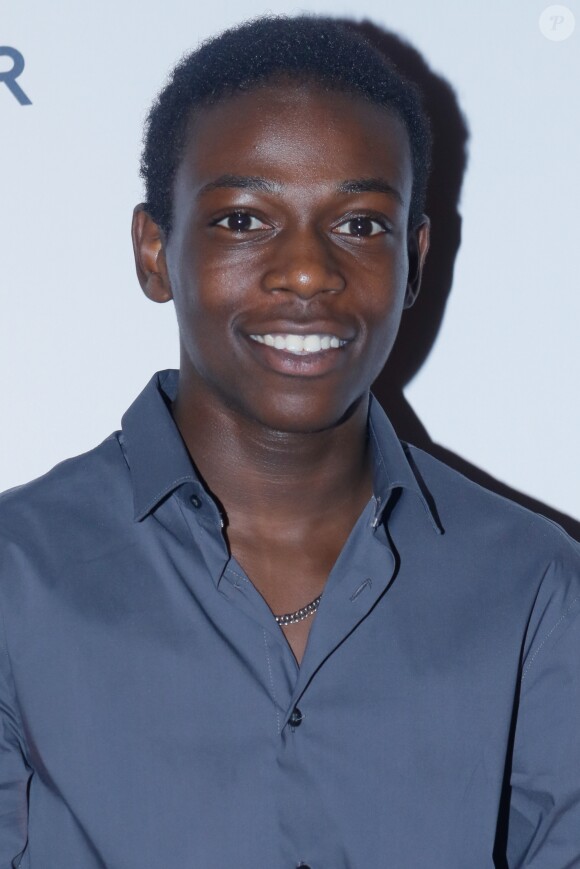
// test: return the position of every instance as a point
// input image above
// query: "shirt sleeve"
(14, 771)
(544, 816)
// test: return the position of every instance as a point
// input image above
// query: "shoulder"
(476, 512)
(78, 493)
(511, 546)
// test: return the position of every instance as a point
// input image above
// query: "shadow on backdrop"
(422, 322)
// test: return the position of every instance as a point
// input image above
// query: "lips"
(300, 349)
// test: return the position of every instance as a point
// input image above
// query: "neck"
(268, 478)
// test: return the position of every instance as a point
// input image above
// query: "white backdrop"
(78, 341)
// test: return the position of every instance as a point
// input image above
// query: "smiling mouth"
(300, 345)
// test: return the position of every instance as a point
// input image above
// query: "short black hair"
(304, 48)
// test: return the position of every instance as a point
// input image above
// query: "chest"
(381, 710)
(291, 581)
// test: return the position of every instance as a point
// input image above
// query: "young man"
(253, 629)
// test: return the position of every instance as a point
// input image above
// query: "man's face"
(289, 256)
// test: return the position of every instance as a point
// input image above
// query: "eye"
(361, 227)
(241, 221)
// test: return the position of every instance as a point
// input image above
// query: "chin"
(301, 414)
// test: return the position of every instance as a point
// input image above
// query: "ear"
(149, 249)
(417, 246)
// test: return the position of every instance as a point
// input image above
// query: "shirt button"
(295, 720)
(196, 501)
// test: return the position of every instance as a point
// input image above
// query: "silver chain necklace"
(299, 615)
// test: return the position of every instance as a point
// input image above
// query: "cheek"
(200, 291)
(215, 273)
(383, 304)
(207, 301)
(383, 293)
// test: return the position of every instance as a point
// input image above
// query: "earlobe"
(418, 245)
(149, 250)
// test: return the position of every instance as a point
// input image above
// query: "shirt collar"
(394, 467)
(159, 461)
(156, 454)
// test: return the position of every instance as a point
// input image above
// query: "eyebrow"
(245, 182)
(370, 185)
(263, 185)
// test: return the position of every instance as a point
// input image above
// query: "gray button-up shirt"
(153, 715)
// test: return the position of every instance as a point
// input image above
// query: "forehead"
(297, 135)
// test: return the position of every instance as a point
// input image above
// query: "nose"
(303, 262)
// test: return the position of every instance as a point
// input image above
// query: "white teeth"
(294, 343)
(300, 344)
(312, 343)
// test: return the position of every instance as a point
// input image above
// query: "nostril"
(305, 271)
(307, 283)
